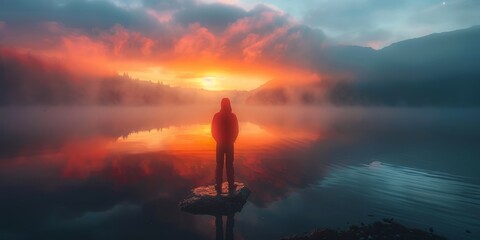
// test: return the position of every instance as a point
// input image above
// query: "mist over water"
(119, 172)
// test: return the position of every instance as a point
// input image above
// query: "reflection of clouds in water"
(150, 178)
(190, 137)
(411, 194)
(84, 166)
(375, 164)
(197, 138)
(93, 218)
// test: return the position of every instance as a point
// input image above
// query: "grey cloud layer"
(438, 70)
(216, 17)
(76, 13)
(360, 22)
(227, 31)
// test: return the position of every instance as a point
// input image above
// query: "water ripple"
(412, 195)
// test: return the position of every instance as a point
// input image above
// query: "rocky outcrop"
(205, 200)
(380, 230)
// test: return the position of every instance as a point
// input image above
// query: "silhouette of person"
(225, 132)
(228, 227)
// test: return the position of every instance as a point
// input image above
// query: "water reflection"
(219, 233)
(411, 194)
(119, 173)
(196, 138)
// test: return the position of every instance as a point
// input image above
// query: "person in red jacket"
(225, 132)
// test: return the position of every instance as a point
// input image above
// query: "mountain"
(441, 69)
(287, 91)
(27, 80)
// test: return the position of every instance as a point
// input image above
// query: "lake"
(119, 172)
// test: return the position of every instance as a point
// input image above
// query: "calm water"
(118, 173)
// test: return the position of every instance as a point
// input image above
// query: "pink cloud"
(199, 41)
(264, 36)
(163, 17)
(52, 27)
(82, 46)
(255, 48)
(125, 42)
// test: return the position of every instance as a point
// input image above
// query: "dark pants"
(224, 151)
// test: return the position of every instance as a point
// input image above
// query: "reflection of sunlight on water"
(188, 149)
(197, 138)
(83, 173)
(192, 137)
(411, 194)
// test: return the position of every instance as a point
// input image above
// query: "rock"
(373, 231)
(205, 200)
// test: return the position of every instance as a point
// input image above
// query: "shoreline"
(384, 229)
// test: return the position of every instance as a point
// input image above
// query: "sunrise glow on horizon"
(239, 119)
(224, 45)
(208, 80)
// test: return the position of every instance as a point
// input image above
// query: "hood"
(225, 105)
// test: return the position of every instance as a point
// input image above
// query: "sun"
(209, 82)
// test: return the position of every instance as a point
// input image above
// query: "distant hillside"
(441, 69)
(285, 91)
(27, 80)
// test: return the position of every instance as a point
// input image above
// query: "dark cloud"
(436, 70)
(215, 17)
(385, 22)
(348, 15)
(262, 35)
(165, 5)
(83, 14)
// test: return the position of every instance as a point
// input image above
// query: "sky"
(216, 45)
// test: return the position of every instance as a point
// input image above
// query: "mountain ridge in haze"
(29, 80)
(440, 69)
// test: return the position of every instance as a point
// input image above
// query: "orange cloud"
(199, 42)
(125, 42)
(84, 54)
(253, 49)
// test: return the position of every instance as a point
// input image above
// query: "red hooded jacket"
(225, 124)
